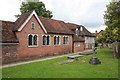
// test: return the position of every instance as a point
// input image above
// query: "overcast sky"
(88, 13)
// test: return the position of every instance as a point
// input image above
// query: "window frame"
(30, 42)
(56, 40)
(33, 40)
(46, 40)
(65, 41)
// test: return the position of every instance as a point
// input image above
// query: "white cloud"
(86, 12)
(98, 29)
(9, 8)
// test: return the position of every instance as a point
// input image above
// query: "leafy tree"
(101, 37)
(39, 7)
(112, 20)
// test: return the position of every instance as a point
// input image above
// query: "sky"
(88, 13)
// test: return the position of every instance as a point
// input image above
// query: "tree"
(39, 7)
(112, 20)
(112, 32)
(101, 37)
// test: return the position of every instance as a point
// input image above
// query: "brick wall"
(25, 51)
(79, 48)
(9, 53)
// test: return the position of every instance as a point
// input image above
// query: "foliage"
(39, 7)
(101, 37)
(112, 15)
(77, 69)
(112, 20)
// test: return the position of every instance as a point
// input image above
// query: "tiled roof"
(84, 31)
(51, 26)
(55, 26)
(72, 26)
(8, 35)
(21, 20)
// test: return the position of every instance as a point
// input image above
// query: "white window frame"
(67, 42)
(59, 40)
(33, 40)
(49, 40)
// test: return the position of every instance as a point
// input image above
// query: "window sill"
(32, 46)
(66, 44)
(46, 45)
(56, 44)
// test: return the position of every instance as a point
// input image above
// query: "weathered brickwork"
(9, 53)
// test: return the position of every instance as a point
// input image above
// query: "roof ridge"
(52, 19)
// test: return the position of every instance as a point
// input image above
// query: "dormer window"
(33, 25)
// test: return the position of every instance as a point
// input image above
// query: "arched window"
(30, 40)
(35, 39)
(56, 40)
(46, 40)
(66, 40)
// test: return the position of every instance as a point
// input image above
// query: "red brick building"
(34, 36)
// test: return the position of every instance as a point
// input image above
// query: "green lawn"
(78, 69)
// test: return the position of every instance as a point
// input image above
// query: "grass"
(77, 69)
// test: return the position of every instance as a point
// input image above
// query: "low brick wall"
(9, 53)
